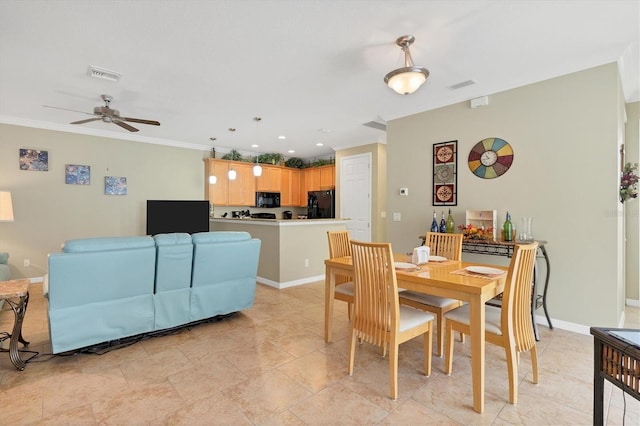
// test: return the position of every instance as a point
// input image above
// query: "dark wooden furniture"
(616, 353)
(16, 294)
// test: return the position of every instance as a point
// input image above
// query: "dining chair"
(509, 326)
(445, 245)
(340, 246)
(378, 317)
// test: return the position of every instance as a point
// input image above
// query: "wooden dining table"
(445, 279)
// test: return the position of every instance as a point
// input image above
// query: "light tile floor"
(270, 365)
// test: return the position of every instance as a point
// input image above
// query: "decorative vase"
(526, 233)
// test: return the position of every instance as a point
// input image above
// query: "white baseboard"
(633, 302)
(287, 284)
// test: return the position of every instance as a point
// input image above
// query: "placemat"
(476, 275)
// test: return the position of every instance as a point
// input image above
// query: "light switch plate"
(397, 217)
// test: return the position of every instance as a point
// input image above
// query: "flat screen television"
(166, 216)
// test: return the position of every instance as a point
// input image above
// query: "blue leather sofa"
(105, 289)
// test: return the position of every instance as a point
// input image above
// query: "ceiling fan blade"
(87, 120)
(124, 125)
(141, 121)
(66, 109)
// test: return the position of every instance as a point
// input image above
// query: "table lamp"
(6, 207)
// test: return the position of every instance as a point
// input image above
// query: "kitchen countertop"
(278, 222)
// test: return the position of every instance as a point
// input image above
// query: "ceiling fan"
(109, 115)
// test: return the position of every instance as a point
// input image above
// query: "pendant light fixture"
(409, 78)
(212, 178)
(232, 173)
(257, 169)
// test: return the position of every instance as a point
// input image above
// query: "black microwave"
(267, 199)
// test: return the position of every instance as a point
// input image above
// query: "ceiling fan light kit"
(409, 78)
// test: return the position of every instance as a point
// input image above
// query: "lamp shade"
(213, 179)
(6, 207)
(232, 174)
(257, 170)
(407, 80)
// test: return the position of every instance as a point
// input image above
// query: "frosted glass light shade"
(257, 170)
(6, 207)
(232, 174)
(213, 179)
(406, 82)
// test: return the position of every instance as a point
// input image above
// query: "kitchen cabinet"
(290, 187)
(270, 181)
(327, 177)
(242, 190)
(319, 178)
(225, 192)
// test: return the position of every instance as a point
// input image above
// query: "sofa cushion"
(172, 239)
(107, 243)
(220, 236)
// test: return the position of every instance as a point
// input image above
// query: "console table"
(616, 356)
(16, 295)
(503, 248)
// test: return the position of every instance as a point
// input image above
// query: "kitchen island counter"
(293, 250)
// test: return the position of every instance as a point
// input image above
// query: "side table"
(16, 295)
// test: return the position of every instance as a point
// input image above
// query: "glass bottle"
(443, 224)
(451, 225)
(507, 229)
(434, 223)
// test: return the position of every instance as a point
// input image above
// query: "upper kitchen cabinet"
(225, 192)
(270, 181)
(319, 178)
(290, 187)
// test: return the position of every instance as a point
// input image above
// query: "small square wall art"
(114, 185)
(76, 174)
(34, 159)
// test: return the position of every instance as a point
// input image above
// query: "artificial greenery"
(294, 162)
(232, 155)
(275, 158)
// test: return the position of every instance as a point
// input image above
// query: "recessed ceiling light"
(291, 151)
(282, 137)
(254, 145)
(319, 144)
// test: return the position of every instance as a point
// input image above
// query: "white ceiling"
(312, 69)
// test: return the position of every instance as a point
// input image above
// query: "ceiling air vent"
(104, 74)
(462, 84)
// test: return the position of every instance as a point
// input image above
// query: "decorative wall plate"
(490, 158)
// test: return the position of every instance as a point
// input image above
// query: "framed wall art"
(114, 185)
(445, 173)
(34, 159)
(76, 174)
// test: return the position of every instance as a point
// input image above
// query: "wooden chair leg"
(393, 370)
(352, 350)
(448, 358)
(428, 347)
(512, 370)
(534, 363)
(441, 331)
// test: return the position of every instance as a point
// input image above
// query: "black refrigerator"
(321, 204)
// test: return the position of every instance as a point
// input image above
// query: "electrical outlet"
(306, 263)
(27, 262)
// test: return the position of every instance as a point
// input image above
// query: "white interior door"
(355, 195)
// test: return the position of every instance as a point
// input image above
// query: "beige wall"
(48, 212)
(378, 185)
(632, 209)
(565, 136)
